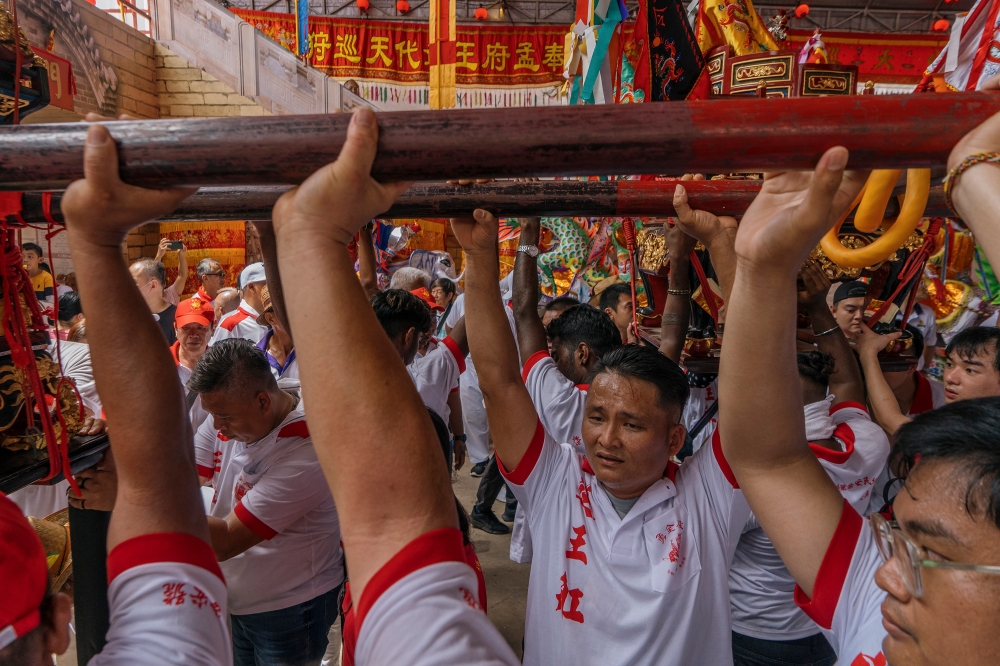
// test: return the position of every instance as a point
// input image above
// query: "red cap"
(24, 575)
(426, 297)
(194, 311)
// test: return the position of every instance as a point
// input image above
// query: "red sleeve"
(456, 352)
(833, 570)
(440, 545)
(162, 547)
(720, 458)
(206, 472)
(253, 523)
(524, 468)
(532, 362)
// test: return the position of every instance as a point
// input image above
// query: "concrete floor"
(506, 582)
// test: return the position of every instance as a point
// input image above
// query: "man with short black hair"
(149, 276)
(616, 302)
(556, 307)
(621, 535)
(272, 510)
(212, 278)
(243, 322)
(848, 308)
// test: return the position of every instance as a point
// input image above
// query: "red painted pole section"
(505, 199)
(715, 136)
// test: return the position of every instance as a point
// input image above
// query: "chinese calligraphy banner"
(399, 52)
(880, 58)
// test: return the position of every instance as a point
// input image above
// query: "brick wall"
(187, 91)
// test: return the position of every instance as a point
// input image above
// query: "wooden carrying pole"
(566, 198)
(716, 136)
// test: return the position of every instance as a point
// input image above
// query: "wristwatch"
(460, 438)
(530, 250)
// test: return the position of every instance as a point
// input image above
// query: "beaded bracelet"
(827, 332)
(679, 292)
(963, 166)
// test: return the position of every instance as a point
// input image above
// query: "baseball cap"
(24, 575)
(266, 305)
(194, 311)
(252, 273)
(850, 290)
(426, 297)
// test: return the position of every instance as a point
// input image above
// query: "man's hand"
(699, 224)
(679, 244)
(92, 426)
(793, 211)
(983, 139)
(868, 343)
(478, 234)
(459, 453)
(161, 249)
(98, 486)
(817, 286)
(101, 207)
(336, 201)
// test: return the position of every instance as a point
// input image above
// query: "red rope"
(912, 268)
(706, 289)
(628, 228)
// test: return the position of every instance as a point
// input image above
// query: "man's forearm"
(130, 358)
(883, 401)
(723, 253)
(676, 310)
(531, 335)
(367, 271)
(182, 273)
(269, 252)
(977, 199)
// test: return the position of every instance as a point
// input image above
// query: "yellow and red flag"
(732, 22)
(442, 36)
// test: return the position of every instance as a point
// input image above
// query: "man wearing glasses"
(917, 593)
(212, 277)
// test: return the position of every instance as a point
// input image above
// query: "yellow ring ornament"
(871, 203)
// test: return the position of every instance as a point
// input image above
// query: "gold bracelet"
(963, 166)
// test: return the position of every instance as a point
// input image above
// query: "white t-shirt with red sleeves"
(240, 323)
(436, 373)
(846, 603)
(422, 608)
(277, 489)
(760, 586)
(560, 405)
(167, 599)
(647, 589)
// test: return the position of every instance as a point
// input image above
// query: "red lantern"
(402, 6)
(363, 5)
(941, 25)
(481, 13)
(802, 11)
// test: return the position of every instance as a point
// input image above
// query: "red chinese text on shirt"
(577, 543)
(574, 597)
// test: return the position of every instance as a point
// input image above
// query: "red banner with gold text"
(398, 52)
(881, 58)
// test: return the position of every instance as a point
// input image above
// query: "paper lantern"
(363, 5)
(402, 6)
(481, 13)
(941, 25)
(802, 11)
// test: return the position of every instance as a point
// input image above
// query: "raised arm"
(134, 372)
(677, 309)
(511, 414)
(531, 336)
(885, 407)
(366, 261)
(761, 421)
(269, 255)
(182, 271)
(718, 234)
(845, 382)
(459, 335)
(345, 356)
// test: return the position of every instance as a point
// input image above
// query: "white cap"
(252, 273)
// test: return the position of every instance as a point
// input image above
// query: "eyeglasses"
(891, 542)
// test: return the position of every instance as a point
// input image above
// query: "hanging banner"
(399, 52)
(62, 87)
(880, 58)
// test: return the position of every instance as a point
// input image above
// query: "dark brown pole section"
(717, 136)
(506, 199)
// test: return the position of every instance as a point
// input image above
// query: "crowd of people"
(668, 517)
